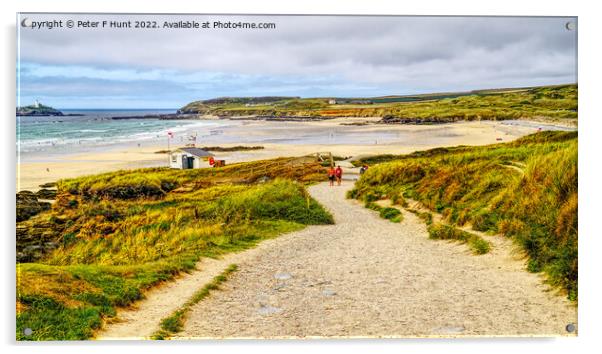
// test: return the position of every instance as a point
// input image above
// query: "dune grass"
(440, 231)
(121, 233)
(534, 202)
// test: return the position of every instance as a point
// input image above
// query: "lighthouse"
(37, 104)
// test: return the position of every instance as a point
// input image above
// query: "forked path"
(363, 276)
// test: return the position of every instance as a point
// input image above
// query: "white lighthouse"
(36, 104)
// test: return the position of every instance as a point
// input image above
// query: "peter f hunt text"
(147, 24)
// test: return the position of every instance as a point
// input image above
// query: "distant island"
(39, 110)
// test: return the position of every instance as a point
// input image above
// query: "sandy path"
(142, 320)
(366, 276)
(363, 276)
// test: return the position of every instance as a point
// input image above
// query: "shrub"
(391, 214)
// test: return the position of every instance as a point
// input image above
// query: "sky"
(307, 56)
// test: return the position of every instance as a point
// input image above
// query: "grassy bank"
(121, 233)
(526, 189)
(446, 232)
(551, 103)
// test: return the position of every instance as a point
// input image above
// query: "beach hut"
(190, 157)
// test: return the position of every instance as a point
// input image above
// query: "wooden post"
(168, 152)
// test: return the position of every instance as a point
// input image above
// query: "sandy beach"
(278, 139)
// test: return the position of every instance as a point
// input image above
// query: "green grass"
(175, 322)
(446, 232)
(555, 103)
(391, 214)
(535, 205)
(118, 239)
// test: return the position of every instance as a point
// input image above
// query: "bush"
(391, 214)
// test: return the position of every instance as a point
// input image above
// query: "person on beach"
(331, 177)
(338, 174)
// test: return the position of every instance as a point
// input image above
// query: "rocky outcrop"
(170, 116)
(46, 193)
(38, 110)
(36, 234)
(36, 238)
(28, 205)
(389, 119)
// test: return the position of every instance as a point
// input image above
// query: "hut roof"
(196, 151)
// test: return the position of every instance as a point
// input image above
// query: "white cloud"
(311, 55)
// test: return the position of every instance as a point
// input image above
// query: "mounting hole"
(570, 26)
(570, 328)
(27, 331)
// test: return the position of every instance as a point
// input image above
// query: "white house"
(189, 157)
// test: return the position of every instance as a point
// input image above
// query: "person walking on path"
(339, 174)
(331, 176)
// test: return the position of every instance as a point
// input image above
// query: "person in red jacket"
(338, 174)
(331, 176)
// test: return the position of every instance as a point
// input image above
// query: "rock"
(46, 193)
(329, 292)
(37, 237)
(28, 205)
(263, 179)
(268, 310)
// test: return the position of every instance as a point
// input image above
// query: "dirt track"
(366, 276)
(363, 276)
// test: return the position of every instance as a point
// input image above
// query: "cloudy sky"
(308, 56)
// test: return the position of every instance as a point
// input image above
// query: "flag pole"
(168, 150)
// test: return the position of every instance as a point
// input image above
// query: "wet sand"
(279, 139)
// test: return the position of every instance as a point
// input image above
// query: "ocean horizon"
(94, 127)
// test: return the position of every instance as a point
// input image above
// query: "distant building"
(332, 101)
(37, 104)
(190, 157)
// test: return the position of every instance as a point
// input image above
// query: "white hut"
(189, 157)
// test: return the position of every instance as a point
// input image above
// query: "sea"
(92, 129)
